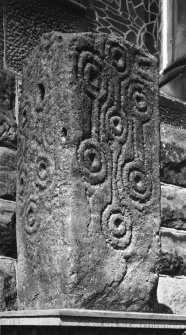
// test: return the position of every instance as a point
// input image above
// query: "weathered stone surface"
(171, 264)
(172, 293)
(173, 155)
(88, 186)
(173, 241)
(1, 35)
(8, 292)
(8, 126)
(7, 228)
(8, 173)
(173, 207)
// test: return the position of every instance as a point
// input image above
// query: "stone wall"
(172, 267)
(8, 177)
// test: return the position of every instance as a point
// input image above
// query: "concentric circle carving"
(92, 161)
(89, 69)
(119, 57)
(140, 97)
(117, 126)
(117, 226)
(138, 181)
(32, 223)
(44, 172)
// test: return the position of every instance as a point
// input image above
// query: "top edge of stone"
(48, 39)
(101, 35)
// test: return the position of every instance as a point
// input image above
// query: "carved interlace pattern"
(120, 90)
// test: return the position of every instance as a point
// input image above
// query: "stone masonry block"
(8, 292)
(173, 206)
(8, 126)
(88, 186)
(172, 293)
(8, 173)
(173, 242)
(173, 155)
(8, 228)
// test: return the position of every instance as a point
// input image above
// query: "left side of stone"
(8, 250)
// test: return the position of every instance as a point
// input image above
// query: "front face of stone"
(88, 186)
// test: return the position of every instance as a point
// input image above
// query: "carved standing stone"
(88, 187)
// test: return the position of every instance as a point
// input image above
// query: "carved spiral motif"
(144, 68)
(92, 161)
(44, 171)
(31, 223)
(89, 70)
(119, 57)
(140, 97)
(116, 125)
(116, 225)
(138, 181)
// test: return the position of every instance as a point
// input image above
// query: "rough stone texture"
(26, 21)
(173, 241)
(8, 127)
(173, 155)
(7, 228)
(171, 264)
(8, 173)
(8, 293)
(172, 293)
(1, 35)
(173, 207)
(88, 186)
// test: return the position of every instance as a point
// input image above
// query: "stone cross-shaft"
(88, 187)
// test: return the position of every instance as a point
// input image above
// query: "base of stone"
(92, 318)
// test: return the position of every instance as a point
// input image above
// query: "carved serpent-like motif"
(121, 98)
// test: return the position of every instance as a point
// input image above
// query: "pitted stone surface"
(8, 228)
(26, 21)
(88, 183)
(8, 292)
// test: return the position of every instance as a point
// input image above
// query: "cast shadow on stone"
(8, 246)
